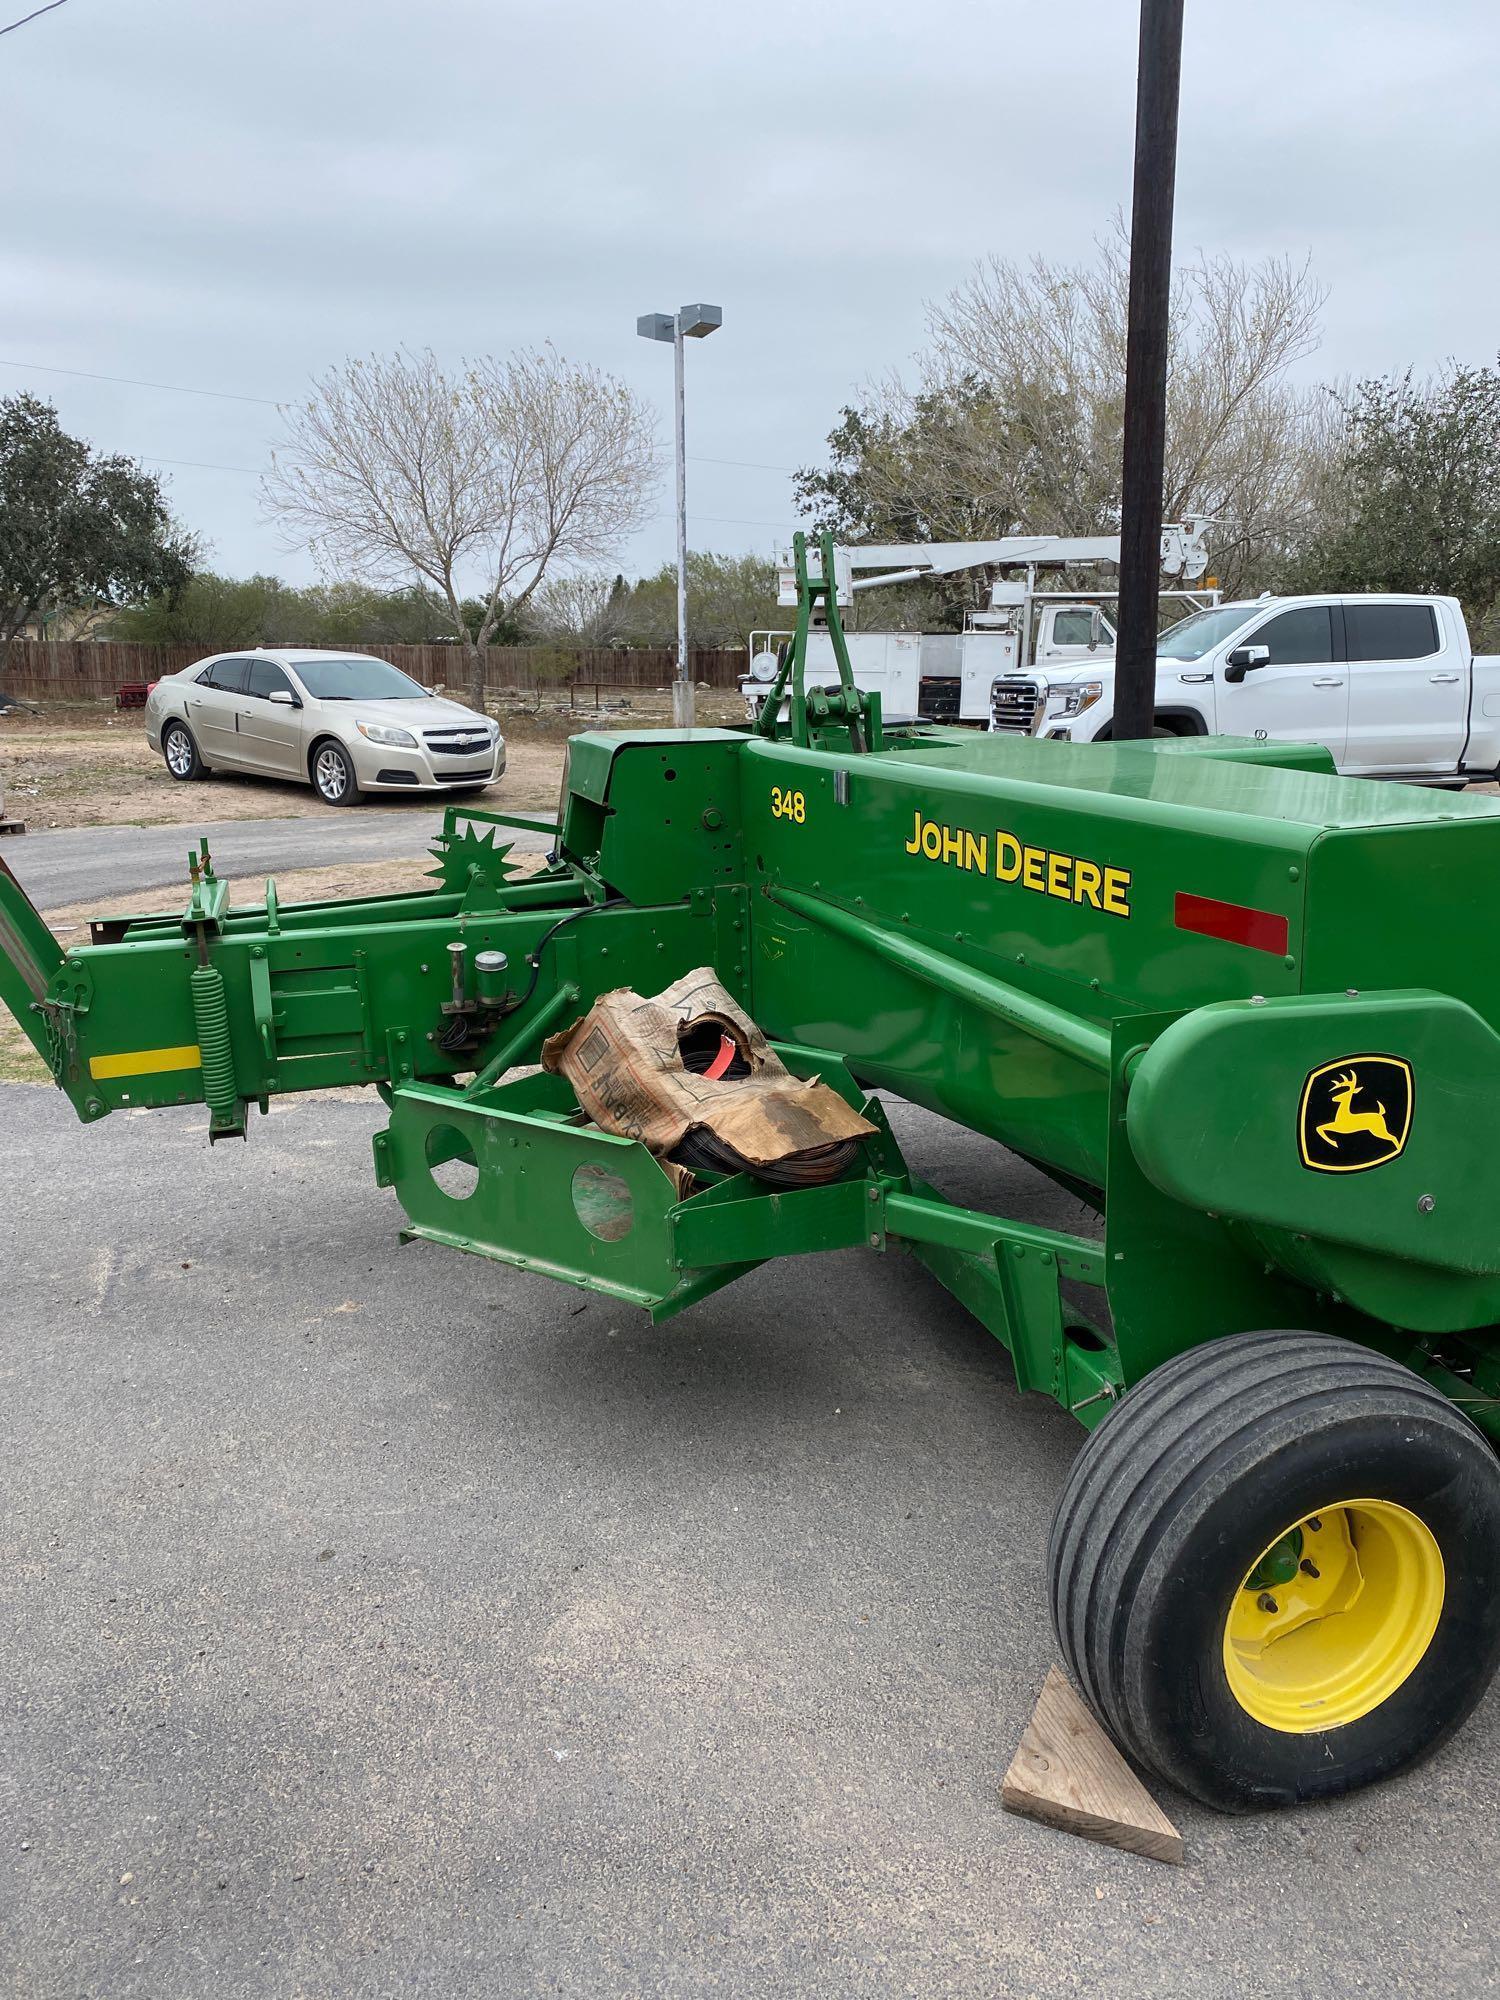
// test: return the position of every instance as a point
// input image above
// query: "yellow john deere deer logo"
(1355, 1114)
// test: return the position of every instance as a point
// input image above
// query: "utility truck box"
(885, 663)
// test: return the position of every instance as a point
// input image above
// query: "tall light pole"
(690, 323)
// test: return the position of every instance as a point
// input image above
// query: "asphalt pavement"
(71, 865)
(380, 1620)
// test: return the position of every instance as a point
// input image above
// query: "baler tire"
(1183, 1496)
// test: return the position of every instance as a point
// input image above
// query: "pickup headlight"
(1074, 700)
(381, 732)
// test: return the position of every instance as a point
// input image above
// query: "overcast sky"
(233, 196)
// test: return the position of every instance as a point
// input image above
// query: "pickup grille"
(1014, 705)
(457, 740)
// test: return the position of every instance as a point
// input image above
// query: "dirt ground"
(72, 764)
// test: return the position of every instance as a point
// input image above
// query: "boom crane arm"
(1183, 554)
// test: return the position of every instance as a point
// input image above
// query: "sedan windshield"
(358, 680)
(1191, 638)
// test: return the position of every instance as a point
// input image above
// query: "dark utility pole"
(1146, 363)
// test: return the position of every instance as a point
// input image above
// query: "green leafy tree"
(506, 628)
(1413, 501)
(77, 530)
(728, 597)
(359, 614)
(216, 614)
(940, 466)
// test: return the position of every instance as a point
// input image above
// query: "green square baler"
(1245, 1009)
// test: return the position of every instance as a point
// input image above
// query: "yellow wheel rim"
(1334, 1616)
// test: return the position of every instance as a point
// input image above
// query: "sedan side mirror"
(283, 698)
(1244, 659)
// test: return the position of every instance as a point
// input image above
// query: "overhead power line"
(36, 13)
(255, 472)
(270, 403)
(753, 464)
(739, 521)
(130, 381)
(201, 464)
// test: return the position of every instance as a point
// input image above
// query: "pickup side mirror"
(1243, 660)
(283, 698)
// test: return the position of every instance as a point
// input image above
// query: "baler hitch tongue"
(29, 958)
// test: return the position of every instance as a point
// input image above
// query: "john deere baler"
(1246, 1009)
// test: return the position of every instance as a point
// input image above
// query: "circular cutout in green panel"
(451, 1162)
(603, 1203)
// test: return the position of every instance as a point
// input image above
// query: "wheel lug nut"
(1309, 1568)
(1314, 1523)
(1266, 1602)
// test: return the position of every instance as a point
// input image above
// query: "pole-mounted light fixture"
(694, 322)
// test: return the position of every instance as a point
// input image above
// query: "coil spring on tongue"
(211, 1014)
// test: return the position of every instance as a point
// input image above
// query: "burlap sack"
(624, 1059)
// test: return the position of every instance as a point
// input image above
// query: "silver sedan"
(344, 723)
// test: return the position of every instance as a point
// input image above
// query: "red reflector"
(1262, 930)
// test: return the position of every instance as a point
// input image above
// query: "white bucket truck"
(951, 676)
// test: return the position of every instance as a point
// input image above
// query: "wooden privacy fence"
(94, 669)
(86, 669)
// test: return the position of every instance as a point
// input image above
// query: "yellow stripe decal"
(146, 1062)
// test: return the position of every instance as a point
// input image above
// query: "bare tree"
(1014, 420)
(582, 608)
(476, 484)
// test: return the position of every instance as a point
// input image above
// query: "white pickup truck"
(1389, 683)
